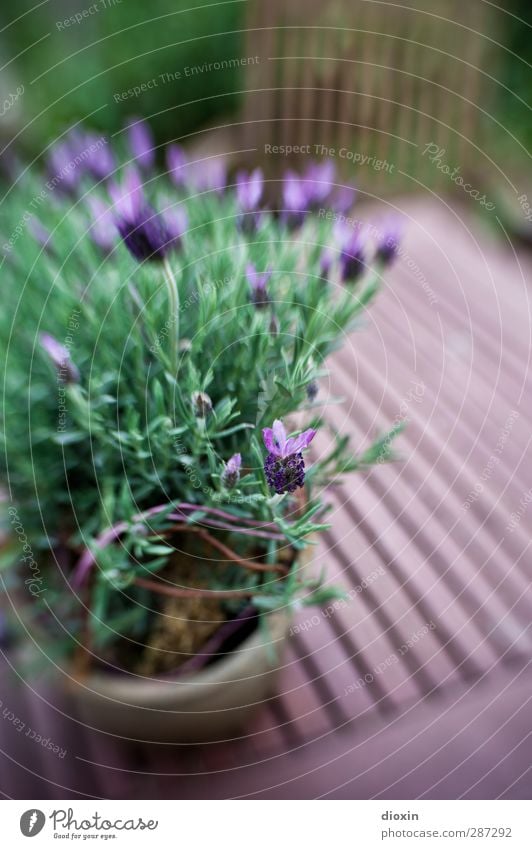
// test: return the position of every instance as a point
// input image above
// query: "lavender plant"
(163, 337)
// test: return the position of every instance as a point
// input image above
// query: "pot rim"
(144, 691)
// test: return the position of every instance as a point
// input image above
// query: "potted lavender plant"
(164, 334)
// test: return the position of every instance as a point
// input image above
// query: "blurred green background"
(74, 71)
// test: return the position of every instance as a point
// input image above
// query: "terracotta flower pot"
(213, 703)
(209, 704)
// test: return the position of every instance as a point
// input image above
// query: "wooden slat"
(367, 73)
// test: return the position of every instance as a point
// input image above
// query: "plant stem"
(231, 555)
(173, 298)
(181, 592)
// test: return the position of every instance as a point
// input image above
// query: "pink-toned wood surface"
(427, 541)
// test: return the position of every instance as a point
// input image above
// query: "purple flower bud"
(326, 262)
(249, 190)
(319, 178)
(353, 254)
(312, 390)
(144, 232)
(102, 230)
(60, 356)
(343, 199)
(176, 162)
(284, 466)
(63, 171)
(202, 405)
(294, 200)
(141, 143)
(176, 221)
(99, 157)
(388, 243)
(231, 472)
(258, 284)
(208, 175)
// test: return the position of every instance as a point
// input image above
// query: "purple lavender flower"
(388, 243)
(284, 466)
(208, 175)
(176, 162)
(326, 262)
(99, 157)
(63, 171)
(60, 356)
(231, 472)
(249, 189)
(144, 232)
(102, 231)
(343, 199)
(353, 254)
(294, 200)
(319, 178)
(176, 221)
(258, 284)
(141, 143)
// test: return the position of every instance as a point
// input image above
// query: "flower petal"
(128, 197)
(302, 441)
(279, 433)
(267, 435)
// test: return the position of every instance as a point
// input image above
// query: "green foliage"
(124, 446)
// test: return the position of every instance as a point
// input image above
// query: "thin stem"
(113, 533)
(208, 523)
(173, 298)
(181, 592)
(231, 555)
(223, 514)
